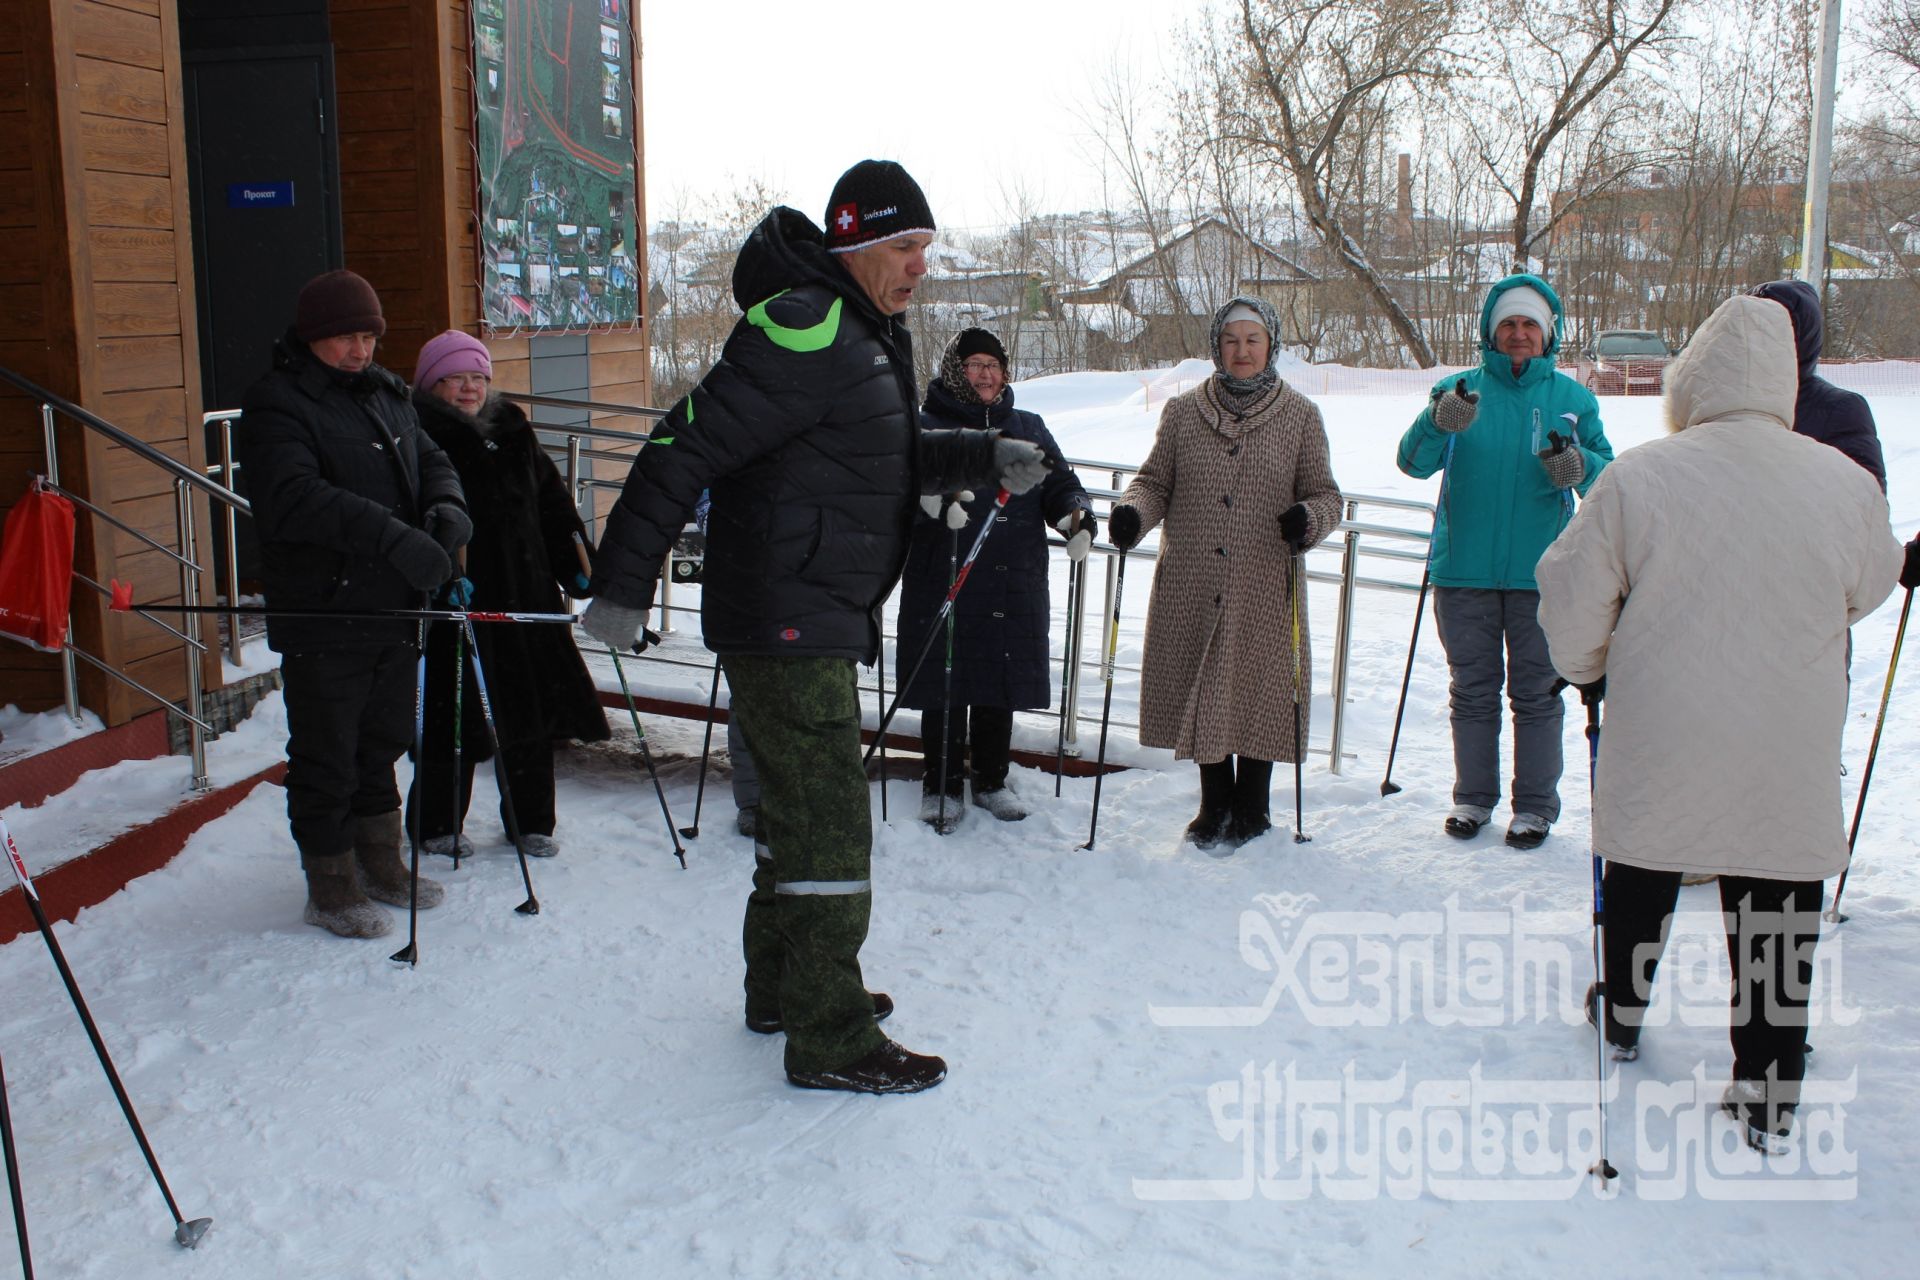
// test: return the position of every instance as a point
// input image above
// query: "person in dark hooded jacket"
(357, 511)
(806, 431)
(1832, 415)
(520, 557)
(1000, 618)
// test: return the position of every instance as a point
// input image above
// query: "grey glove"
(616, 626)
(1566, 467)
(449, 526)
(418, 557)
(1021, 464)
(1455, 408)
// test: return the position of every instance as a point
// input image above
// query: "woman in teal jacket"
(1515, 440)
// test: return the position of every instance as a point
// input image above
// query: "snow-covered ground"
(1356, 1056)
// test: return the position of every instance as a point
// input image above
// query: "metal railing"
(1353, 540)
(1356, 539)
(186, 481)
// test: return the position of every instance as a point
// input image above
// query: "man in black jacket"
(357, 510)
(806, 433)
(1822, 411)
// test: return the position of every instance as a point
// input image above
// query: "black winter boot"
(888, 1069)
(768, 1022)
(1216, 799)
(376, 843)
(1252, 781)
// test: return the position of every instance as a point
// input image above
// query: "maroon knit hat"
(336, 303)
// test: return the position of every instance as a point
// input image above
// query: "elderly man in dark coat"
(807, 432)
(358, 511)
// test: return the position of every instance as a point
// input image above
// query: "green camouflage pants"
(807, 914)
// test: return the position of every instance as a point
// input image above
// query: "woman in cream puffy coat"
(1710, 578)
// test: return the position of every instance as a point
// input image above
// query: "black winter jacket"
(335, 465)
(521, 553)
(1002, 615)
(807, 435)
(1829, 414)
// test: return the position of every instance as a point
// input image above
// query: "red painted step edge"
(93, 877)
(29, 781)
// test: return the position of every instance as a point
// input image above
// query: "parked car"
(1627, 362)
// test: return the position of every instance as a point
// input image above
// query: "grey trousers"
(1493, 638)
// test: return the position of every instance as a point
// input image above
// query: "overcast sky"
(975, 99)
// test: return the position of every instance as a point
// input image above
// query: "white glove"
(1021, 463)
(1079, 535)
(956, 517)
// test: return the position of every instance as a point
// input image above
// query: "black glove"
(1294, 525)
(418, 557)
(1123, 526)
(1590, 694)
(449, 526)
(1910, 571)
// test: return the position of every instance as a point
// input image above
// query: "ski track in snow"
(573, 1094)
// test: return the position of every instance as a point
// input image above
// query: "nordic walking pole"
(633, 709)
(410, 954)
(13, 1181)
(1387, 785)
(946, 695)
(1106, 706)
(646, 757)
(186, 1233)
(459, 747)
(706, 749)
(880, 707)
(1603, 1170)
(933, 630)
(1300, 835)
(1066, 671)
(1866, 777)
(531, 907)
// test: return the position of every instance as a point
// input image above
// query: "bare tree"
(1308, 86)
(1555, 62)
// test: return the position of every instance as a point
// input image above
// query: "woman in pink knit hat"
(521, 558)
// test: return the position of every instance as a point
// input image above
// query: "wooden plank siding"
(91, 98)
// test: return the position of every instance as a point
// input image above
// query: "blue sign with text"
(259, 195)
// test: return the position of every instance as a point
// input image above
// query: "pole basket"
(36, 569)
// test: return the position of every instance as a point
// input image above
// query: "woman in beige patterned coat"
(1239, 479)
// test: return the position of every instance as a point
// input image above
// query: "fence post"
(69, 678)
(232, 582)
(190, 596)
(1343, 638)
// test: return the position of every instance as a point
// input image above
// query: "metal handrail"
(180, 471)
(1350, 530)
(185, 481)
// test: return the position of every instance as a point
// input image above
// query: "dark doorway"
(262, 156)
(264, 173)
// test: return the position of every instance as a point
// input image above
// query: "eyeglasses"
(981, 366)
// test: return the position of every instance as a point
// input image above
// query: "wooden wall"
(98, 307)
